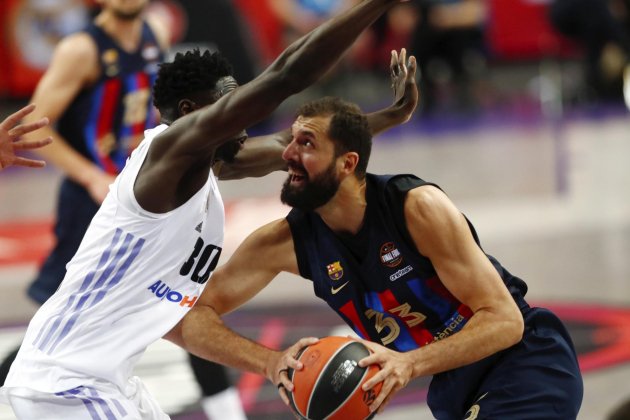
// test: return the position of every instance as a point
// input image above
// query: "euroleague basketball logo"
(390, 255)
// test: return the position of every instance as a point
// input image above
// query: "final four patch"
(390, 255)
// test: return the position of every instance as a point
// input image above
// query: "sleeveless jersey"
(106, 120)
(134, 277)
(377, 281)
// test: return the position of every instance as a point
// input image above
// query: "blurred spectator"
(208, 24)
(450, 47)
(603, 28)
(390, 32)
(297, 17)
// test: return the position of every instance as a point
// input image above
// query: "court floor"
(550, 200)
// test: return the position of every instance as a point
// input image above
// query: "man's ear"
(186, 106)
(350, 162)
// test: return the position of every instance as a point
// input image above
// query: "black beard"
(128, 16)
(314, 194)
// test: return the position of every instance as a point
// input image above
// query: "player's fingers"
(393, 64)
(15, 118)
(381, 397)
(403, 57)
(378, 377)
(27, 128)
(412, 66)
(373, 359)
(32, 144)
(31, 163)
(283, 393)
(294, 350)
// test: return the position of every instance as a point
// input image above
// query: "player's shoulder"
(160, 30)
(77, 46)
(426, 199)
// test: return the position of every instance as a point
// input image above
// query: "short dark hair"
(189, 73)
(349, 128)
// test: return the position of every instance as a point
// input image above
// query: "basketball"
(329, 385)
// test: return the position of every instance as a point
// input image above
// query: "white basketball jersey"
(135, 275)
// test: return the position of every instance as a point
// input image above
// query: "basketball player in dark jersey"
(404, 268)
(10, 132)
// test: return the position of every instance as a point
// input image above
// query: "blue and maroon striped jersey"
(106, 121)
(376, 280)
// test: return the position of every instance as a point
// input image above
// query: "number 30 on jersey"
(202, 262)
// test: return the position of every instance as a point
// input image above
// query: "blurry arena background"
(537, 163)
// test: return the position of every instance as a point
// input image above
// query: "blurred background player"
(97, 94)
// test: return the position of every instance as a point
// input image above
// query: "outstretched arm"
(257, 261)
(10, 139)
(263, 155)
(300, 65)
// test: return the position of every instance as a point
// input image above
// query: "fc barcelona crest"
(335, 270)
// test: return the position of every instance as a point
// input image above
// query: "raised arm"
(263, 155)
(403, 77)
(300, 65)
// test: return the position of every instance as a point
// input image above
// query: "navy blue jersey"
(389, 293)
(107, 119)
(376, 280)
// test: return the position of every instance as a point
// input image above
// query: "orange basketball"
(329, 386)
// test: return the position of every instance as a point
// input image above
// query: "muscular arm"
(257, 261)
(263, 155)
(301, 64)
(61, 83)
(441, 233)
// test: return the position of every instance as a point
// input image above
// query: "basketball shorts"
(88, 403)
(538, 378)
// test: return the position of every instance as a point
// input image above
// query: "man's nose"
(289, 151)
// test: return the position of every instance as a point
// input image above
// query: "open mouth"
(296, 178)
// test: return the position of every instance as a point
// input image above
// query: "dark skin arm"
(179, 160)
(263, 155)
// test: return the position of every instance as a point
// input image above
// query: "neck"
(345, 212)
(126, 32)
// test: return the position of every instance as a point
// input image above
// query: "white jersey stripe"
(89, 405)
(68, 316)
(84, 285)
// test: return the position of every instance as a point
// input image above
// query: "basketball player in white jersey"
(158, 235)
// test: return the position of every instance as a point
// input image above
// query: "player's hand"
(403, 76)
(278, 371)
(98, 185)
(10, 142)
(395, 373)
